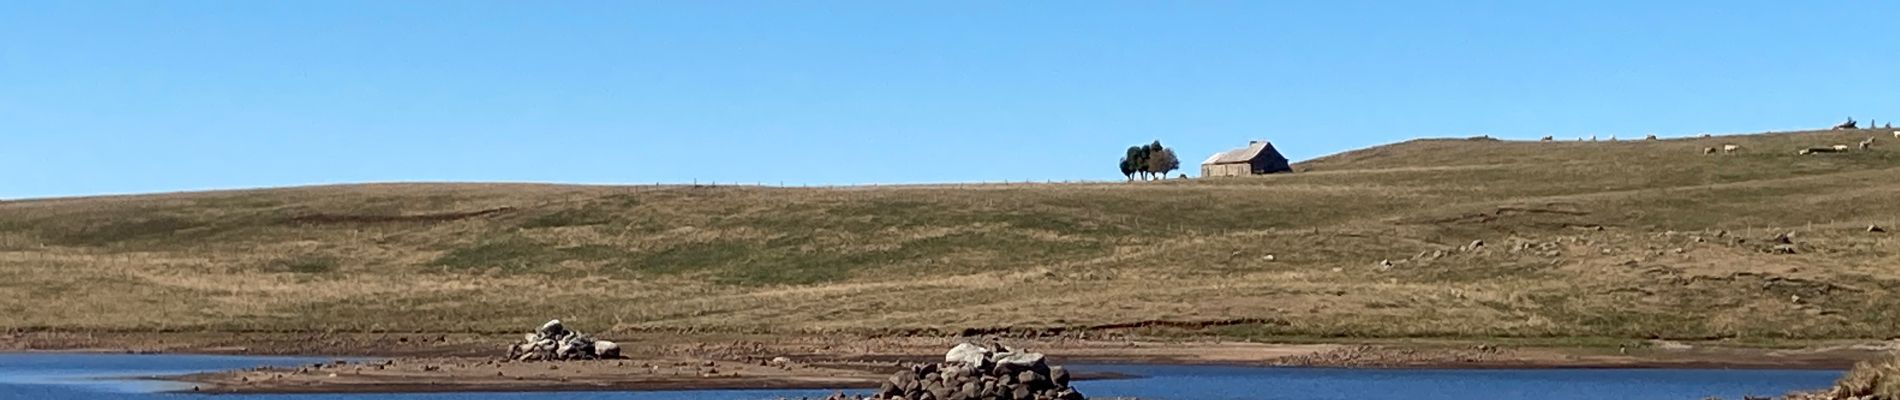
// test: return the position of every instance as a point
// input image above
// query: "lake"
(84, 376)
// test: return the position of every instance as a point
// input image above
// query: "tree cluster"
(1149, 161)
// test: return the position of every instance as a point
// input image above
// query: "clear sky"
(100, 97)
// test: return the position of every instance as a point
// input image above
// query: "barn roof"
(1241, 155)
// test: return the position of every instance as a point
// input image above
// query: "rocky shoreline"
(423, 362)
(1869, 380)
(981, 372)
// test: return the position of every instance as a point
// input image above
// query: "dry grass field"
(1582, 241)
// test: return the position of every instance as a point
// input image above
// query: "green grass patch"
(304, 265)
(571, 217)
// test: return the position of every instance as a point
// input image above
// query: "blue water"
(1255, 383)
(86, 376)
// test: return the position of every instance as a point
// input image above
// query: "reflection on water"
(50, 375)
(79, 376)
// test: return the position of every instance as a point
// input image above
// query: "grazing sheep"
(1708, 150)
(1840, 147)
(1730, 148)
(1896, 134)
(1547, 138)
(1649, 137)
(1705, 136)
(1867, 144)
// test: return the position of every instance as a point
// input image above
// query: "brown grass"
(1874, 379)
(946, 258)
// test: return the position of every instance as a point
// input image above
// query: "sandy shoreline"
(472, 363)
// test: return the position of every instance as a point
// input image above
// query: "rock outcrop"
(975, 372)
(553, 341)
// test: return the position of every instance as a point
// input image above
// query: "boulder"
(1021, 361)
(969, 391)
(606, 349)
(907, 382)
(552, 328)
(1068, 394)
(1032, 379)
(967, 354)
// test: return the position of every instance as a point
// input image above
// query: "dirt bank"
(460, 374)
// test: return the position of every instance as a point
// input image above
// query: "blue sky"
(100, 97)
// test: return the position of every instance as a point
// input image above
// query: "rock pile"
(553, 341)
(974, 372)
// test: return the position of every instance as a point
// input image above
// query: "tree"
(1157, 160)
(1129, 168)
(1135, 162)
(1149, 161)
(1162, 162)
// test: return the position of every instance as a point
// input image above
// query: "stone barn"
(1258, 158)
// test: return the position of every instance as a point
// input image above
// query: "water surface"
(84, 376)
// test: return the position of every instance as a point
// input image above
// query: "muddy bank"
(847, 350)
(458, 374)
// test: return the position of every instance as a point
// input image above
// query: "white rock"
(967, 353)
(606, 349)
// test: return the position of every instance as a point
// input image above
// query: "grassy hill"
(1632, 239)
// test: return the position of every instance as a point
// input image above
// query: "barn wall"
(1214, 170)
(1270, 164)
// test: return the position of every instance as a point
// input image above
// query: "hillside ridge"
(1424, 238)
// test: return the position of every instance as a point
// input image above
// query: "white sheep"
(1730, 148)
(1708, 150)
(1896, 134)
(1840, 147)
(1866, 144)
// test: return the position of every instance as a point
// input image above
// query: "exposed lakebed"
(94, 376)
